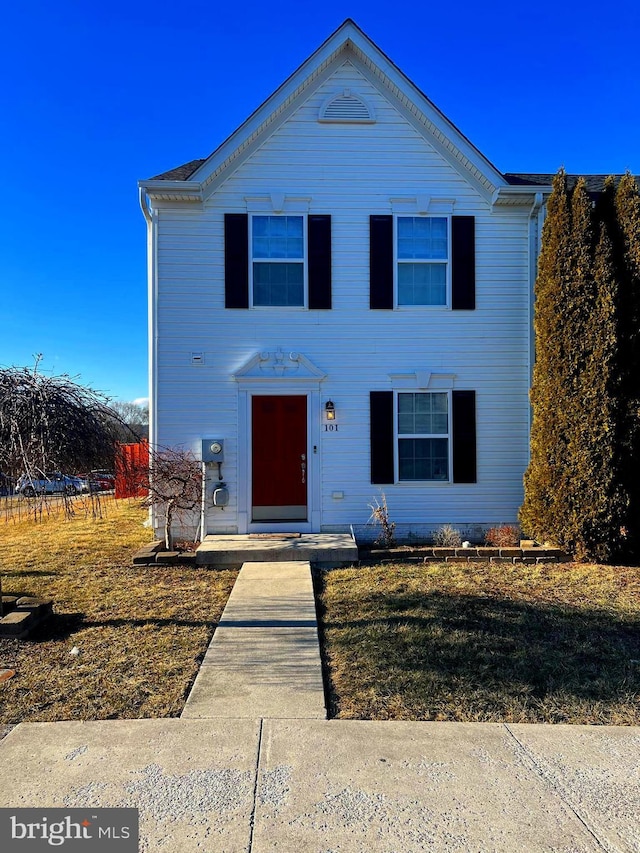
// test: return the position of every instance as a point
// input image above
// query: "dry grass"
(140, 631)
(477, 642)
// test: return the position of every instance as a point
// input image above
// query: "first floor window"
(423, 436)
(277, 244)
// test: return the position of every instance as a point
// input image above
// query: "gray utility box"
(213, 450)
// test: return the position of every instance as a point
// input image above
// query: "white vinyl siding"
(350, 171)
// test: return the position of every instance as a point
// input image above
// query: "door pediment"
(269, 366)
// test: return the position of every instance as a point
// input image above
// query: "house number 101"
(331, 427)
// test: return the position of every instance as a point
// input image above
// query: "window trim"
(397, 261)
(397, 436)
(305, 260)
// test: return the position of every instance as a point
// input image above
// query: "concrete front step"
(319, 549)
(264, 658)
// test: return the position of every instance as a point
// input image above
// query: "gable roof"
(347, 42)
(198, 178)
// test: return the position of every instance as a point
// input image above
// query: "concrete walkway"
(264, 658)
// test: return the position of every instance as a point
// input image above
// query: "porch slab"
(324, 549)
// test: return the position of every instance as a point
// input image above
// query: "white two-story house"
(340, 303)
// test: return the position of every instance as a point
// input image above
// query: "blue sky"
(96, 95)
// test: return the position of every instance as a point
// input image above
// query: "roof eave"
(188, 190)
(519, 196)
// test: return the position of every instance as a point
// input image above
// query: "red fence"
(132, 470)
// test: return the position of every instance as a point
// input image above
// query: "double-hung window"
(278, 260)
(422, 260)
(423, 436)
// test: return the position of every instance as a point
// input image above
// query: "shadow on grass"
(62, 626)
(437, 648)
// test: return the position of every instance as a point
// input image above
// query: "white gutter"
(144, 205)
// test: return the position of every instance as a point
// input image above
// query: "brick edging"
(473, 555)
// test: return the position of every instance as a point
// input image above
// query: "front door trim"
(279, 387)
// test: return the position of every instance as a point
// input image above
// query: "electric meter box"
(213, 450)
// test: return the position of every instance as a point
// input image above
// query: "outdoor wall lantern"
(330, 410)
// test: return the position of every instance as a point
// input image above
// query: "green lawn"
(484, 642)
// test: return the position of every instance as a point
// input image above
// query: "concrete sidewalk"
(314, 786)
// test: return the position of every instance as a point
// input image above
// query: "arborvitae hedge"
(549, 460)
(627, 222)
(582, 486)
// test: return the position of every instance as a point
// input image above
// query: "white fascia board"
(427, 122)
(189, 191)
(430, 110)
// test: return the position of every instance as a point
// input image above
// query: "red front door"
(279, 458)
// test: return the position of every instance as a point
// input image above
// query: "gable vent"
(346, 107)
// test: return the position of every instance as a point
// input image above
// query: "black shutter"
(236, 260)
(381, 261)
(463, 262)
(319, 253)
(463, 418)
(381, 411)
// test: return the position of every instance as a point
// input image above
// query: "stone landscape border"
(479, 554)
(155, 554)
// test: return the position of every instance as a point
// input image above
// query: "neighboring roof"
(595, 183)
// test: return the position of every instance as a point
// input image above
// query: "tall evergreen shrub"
(627, 215)
(544, 478)
(585, 403)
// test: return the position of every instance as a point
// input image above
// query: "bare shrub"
(447, 536)
(175, 485)
(503, 536)
(380, 516)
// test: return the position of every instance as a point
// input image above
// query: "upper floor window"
(422, 256)
(278, 260)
